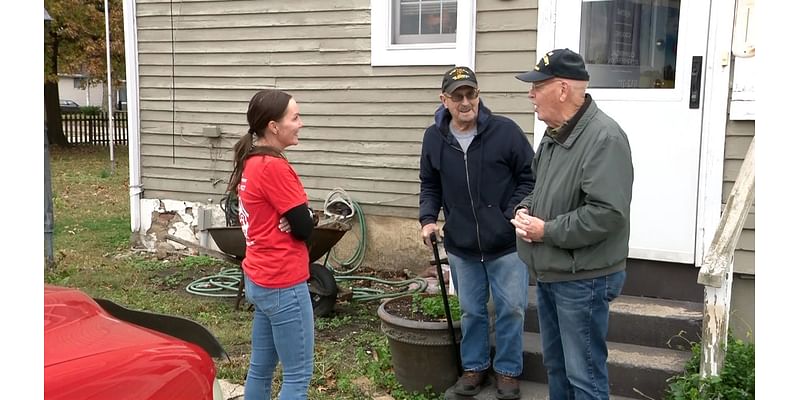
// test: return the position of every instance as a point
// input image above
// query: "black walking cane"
(445, 300)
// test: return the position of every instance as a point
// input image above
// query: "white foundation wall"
(182, 219)
(392, 243)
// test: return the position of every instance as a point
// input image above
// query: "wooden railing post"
(716, 272)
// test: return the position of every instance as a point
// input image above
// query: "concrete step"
(528, 390)
(633, 369)
(642, 320)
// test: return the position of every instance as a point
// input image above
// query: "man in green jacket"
(573, 229)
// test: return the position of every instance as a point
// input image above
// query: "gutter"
(132, 87)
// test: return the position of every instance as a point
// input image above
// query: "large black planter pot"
(422, 352)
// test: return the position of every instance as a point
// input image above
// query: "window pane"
(409, 19)
(431, 18)
(449, 16)
(424, 21)
(630, 43)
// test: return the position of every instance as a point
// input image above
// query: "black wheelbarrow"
(321, 283)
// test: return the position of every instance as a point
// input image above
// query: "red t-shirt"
(268, 189)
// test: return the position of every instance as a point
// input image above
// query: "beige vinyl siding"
(363, 124)
(737, 140)
(505, 45)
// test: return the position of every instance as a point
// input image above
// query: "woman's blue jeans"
(283, 330)
(573, 321)
(507, 277)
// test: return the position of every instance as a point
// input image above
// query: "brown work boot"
(470, 383)
(507, 387)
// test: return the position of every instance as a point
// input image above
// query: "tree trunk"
(52, 109)
(53, 115)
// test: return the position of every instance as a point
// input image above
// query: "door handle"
(694, 87)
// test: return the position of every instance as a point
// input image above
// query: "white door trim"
(714, 124)
(545, 41)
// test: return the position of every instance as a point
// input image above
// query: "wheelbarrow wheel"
(322, 288)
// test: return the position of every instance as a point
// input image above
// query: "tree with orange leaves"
(75, 43)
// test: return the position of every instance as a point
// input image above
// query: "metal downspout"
(132, 88)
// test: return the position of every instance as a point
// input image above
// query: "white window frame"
(384, 53)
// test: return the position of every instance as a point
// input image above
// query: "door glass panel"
(630, 43)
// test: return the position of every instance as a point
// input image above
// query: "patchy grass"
(92, 245)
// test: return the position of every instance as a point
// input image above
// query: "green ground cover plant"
(736, 382)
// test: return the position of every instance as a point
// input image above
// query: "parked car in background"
(69, 106)
(96, 349)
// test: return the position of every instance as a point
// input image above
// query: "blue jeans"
(283, 329)
(507, 277)
(573, 321)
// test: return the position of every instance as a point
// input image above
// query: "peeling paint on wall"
(162, 217)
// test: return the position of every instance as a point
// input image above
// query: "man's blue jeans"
(573, 321)
(283, 329)
(507, 277)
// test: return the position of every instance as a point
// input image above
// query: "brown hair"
(265, 106)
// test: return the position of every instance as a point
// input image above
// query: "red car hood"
(89, 354)
(76, 327)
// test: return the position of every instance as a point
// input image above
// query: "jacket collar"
(569, 133)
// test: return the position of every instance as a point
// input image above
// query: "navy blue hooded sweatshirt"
(478, 190)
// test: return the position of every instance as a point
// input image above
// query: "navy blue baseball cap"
(562, 63)
(457, 77)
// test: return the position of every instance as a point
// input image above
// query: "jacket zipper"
(472, 203)
(547, 175)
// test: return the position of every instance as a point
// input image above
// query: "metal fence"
(80, 128)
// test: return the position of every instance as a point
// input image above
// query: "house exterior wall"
(742, 320)
(90, 96)
(737, 141)
(506, 46)
(363, 124)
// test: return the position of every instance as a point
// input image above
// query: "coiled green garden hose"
(223, 284)
(368, 293)
(352, 263)
(226, 282)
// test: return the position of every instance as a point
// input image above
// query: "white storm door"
(645, 60)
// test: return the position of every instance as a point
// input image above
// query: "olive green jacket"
(583, 193)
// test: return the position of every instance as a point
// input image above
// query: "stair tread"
(645, 306)
(529, 391)
(642, 357)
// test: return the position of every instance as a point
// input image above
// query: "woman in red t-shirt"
(276, 221)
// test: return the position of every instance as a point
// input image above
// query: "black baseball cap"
(457, 77)
(562, 63)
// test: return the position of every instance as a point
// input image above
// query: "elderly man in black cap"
(476, 165)
(573, 228)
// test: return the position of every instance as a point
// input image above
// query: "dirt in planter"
(401, 307)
